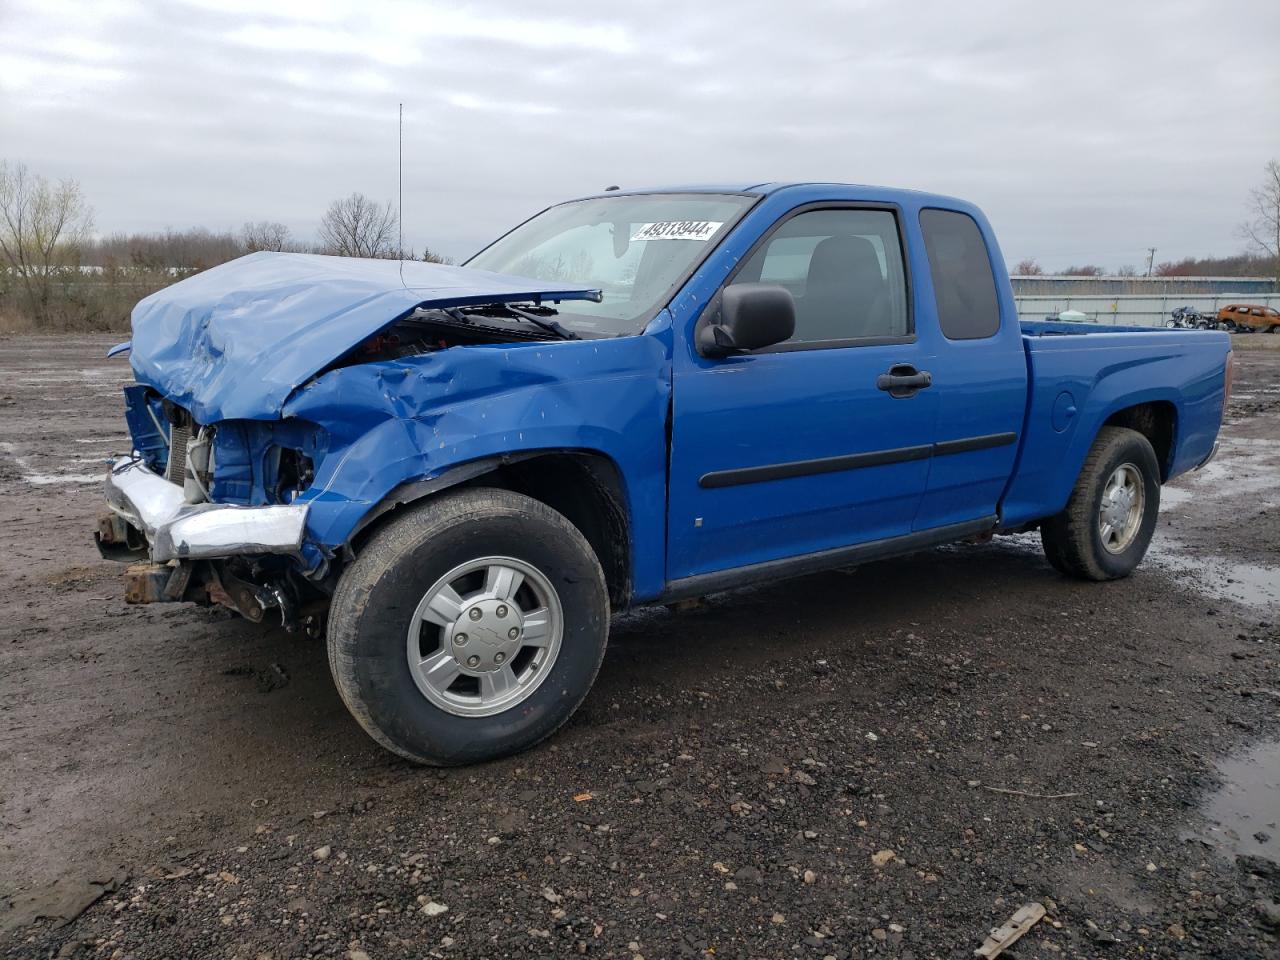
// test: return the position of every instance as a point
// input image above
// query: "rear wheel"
(1106, 527)
(470, 628)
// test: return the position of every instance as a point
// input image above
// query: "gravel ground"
(884, 762)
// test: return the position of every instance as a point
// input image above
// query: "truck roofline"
(768, 187)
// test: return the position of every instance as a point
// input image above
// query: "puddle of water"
(1248, 583)
(1244, 813)
(1245, 466)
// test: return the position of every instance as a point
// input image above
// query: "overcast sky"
(1087, 131)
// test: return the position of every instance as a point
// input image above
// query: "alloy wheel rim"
(1121, 508)
(485, 636)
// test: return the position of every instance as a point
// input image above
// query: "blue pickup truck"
(458, 473)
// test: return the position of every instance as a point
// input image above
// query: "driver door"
(798, 448)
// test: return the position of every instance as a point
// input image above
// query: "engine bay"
(428, 330)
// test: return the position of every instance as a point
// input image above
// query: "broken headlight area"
(257, 463)
(242, 462)
(214, 509)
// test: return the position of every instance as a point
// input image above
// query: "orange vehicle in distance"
(1249, 316)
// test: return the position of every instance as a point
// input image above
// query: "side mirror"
(752, 315)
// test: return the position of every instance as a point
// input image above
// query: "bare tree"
(1262, 229)
(430, 256)
(266, 235)
(1028, 268)
(42, 226)
(359, 227)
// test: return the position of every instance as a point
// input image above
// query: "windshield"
(633, 248)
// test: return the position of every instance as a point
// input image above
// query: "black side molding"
(805, 468)
(973, 443)
(851, 461)
(704, 583)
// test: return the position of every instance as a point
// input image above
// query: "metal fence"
(1173, 287)
(1134, 311)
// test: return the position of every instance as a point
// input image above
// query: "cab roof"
(769, 187)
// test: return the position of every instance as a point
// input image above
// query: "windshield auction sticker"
(678, 230)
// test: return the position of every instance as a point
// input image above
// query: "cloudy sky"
(1087, 131)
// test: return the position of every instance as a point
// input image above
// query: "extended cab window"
(963, 284)
(844, 269)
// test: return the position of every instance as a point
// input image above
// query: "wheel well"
(1158, 422)
(586, 488)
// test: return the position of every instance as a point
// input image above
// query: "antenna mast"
(400, 201)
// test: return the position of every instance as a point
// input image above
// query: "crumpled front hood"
(235, 341)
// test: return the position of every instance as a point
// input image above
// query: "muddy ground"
(880, 762)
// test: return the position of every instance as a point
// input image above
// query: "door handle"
(903, 380)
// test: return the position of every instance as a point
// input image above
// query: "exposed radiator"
(179, 437)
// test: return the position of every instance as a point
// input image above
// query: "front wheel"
(1104, 531)
(470, 628)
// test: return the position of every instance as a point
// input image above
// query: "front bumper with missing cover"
(177, 530)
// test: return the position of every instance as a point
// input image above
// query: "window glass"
(844, 269)
(963, 284)
(634, 249)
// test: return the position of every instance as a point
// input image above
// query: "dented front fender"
(398, 421)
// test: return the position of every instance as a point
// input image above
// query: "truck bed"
(1082, 376)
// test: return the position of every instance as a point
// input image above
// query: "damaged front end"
(206, 513)
(229, 495)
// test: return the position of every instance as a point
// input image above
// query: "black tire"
(1072, 540)
(378, 594)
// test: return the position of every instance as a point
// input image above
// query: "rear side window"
(963, 283)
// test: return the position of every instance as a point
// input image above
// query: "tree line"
(55, 273)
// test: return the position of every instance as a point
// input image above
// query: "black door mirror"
(752, 315)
